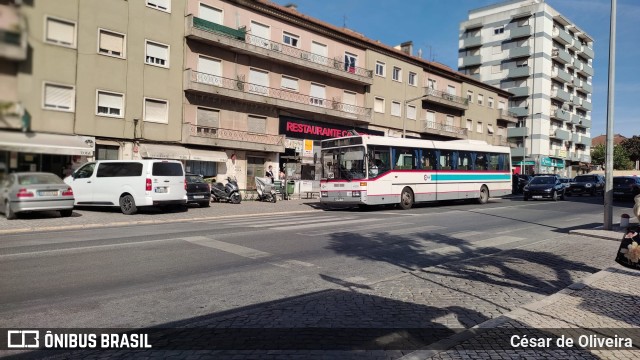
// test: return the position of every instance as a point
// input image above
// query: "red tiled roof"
(602, 140)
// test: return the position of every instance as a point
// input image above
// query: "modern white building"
(545, 60)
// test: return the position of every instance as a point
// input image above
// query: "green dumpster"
(291, 185)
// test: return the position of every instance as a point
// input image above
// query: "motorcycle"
(229, 192)
(265, 190)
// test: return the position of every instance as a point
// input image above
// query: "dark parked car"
(566, 182)
(35, 191)
(198, 191)
(544, 187)
(626, 187)
(587, 184)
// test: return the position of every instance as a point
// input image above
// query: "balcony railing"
(472, 41)
(247, 38)
(507, 115)
(561, 55)
(561, 75)
(235, 135)
(458, 101)
(432, 125)
(517, 132)
(562, 36)
(281, 94)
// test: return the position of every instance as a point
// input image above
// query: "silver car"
(34, 191)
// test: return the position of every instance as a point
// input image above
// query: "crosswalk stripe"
(464, 234)
(409, 230)
(351, 230)
(317, 224)
(227, 247)
(288, 264)
(289, 223)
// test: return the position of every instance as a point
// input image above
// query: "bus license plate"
(537, 196)
(161, 190)
(339, 199)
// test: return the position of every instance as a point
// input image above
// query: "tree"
(632, 147)
(620, 157)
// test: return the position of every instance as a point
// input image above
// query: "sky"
(433, 26)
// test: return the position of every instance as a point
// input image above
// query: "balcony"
(240, 41)
(560, 94)
(587, 51)
(520, 111)
(575, 156)
(586, 87)
(586, 105)
(517, 152)
(471, 42)
(584, 140)
(577, 82)
(520, 91)
(521, 51)
(575, 138)
(521, 31)
(576, 45)
(433, 127)
(279, 98)
(577, 101)
(562, 36)
(517, 132)
(560, 134)
(561, 115)
(561, 56)
(576, 119)
(446, 99)
(561, 75)
(584, 122)
(522, 71)
(587, 70)
(13, 38)
(471, 60)
(230, 138)
(507, 116)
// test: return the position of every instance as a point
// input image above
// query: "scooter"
(229, 192)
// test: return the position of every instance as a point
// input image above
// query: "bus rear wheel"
(406, 199)
(484, 195)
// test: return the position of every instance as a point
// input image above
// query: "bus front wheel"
(484, 195)
(406, 199)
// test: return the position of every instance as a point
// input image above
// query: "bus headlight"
(324, 193)
(355, 193)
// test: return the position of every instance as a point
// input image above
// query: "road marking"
(409, 230)
(312, 225)
(476, 245)
(464, 234)
(82, 248)
(289, 223)
(227, 247)
(288, 264)
(352, 230)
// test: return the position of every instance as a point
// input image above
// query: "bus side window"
(445, 160)
(482, 163)
(428, 159)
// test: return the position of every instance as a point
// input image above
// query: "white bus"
(372, 170)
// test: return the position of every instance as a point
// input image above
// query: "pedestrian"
(281, 175)
(514, 182)
(269, 173)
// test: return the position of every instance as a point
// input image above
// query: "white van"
(129, 184)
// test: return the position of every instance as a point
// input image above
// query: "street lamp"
(404, 118)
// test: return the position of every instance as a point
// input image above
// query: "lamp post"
(608, 172)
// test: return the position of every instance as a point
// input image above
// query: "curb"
(450, 342)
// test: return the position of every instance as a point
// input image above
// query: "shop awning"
(41, 143)
(207, 155)
(159, 151)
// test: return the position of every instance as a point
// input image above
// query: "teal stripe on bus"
(470, 177)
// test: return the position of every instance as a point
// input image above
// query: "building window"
(469, 124)
(350, 61)
(211, 14)
(498, 30)
(257, 124)
(480, 99)
(60, 32)
(111, 43)
(397, 74)
(413, 79)
(258, 81)
(411, 112)
(349, 98)
(156, 54)
(318, 94)
(479, 127)
(469, 96)
(395, 108)
(162, 5)
(59, 97)
(430, 116)
(290, 39)
(502, 105)
(490, 129)
(107, 152)
(451, 90)
(209, 118)
(156, 111)
(431, 84)
(110, 104)
(378, 105)
(490, 102)
(380, 69)
(289, 83)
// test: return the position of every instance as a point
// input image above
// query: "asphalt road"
(158, 274)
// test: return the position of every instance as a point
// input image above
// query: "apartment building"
(545, 60)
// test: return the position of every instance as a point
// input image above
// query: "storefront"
(28, 151)
(302, 145)
(549, 165)
(196, 161)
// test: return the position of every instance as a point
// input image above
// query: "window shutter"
(258, 77)
(155, 110)
(111, 42)
(60, 31)
(209, 66)
(208, 118)
(317, 91)
(60, 97)
(210, 14)
(349, 98)
(257, 124)
(411, 112)
(259, 30)
(289, 83)
(157, 51)
(379, 105)
(110, 100)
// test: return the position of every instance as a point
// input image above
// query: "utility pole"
(608, 172)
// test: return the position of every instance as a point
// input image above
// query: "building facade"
(545, 61)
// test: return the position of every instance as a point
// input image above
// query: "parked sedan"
(626, 187)
(544, 187)
(198, 191)
(35, 191)
(587, 184)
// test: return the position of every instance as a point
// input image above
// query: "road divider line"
(227, 247)
(82, 248)
(333, 224)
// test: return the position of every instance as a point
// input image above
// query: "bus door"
(428, 165)
(380, 177)
(447, 179)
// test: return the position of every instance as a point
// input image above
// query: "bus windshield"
(346, 163)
